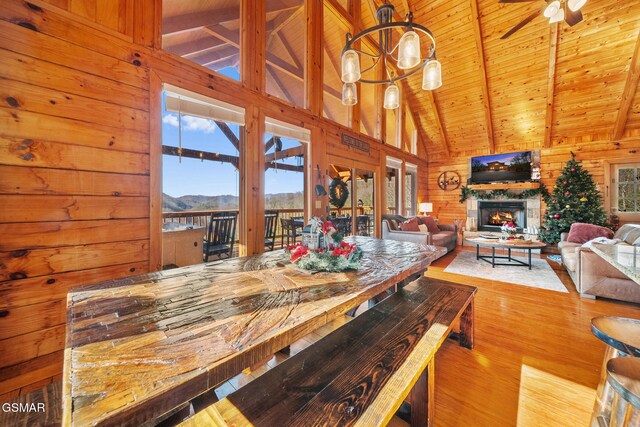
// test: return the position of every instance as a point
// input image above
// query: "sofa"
(447, 237)
(593, 276)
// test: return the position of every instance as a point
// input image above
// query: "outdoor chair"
(342, 224)
(270, 224)
(221, 234)
(363, 223)
(288, 231)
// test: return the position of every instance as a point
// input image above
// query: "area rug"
(540, 276)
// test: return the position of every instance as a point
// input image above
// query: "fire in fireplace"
(492, 214)
(501, 217)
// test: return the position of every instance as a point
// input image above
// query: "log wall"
(79, 160)
(596, 156)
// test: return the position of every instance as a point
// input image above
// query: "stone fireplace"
(492, 214)
(528, 208)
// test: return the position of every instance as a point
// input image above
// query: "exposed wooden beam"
(200, 155)
(231, 61)
(628, 93)
(340, 12)
(551, 83)
(290, 51)
(279, 84)
(436, 112)
(283, 20)
(283, 166)
(253, 35)
(195, 47)
(215, 55)
(419, 127)
(405, 3)
(486, 96)
(272, 60)
(198, 20)
(233, 139)
(313, 91)
(270, 143)
(289, 152)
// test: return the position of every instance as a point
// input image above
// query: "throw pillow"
(582, 233)
(423, 228)
(431, 224)
(410, 225)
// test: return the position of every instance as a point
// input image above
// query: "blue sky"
(194, 177)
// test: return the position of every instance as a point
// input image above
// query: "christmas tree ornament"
(574, 187)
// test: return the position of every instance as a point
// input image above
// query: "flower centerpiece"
(509, 230)
(328, 253)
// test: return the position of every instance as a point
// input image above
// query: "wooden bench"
(361, 373)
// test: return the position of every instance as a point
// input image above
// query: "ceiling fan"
(555, 10)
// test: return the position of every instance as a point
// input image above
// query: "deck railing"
(201, 218)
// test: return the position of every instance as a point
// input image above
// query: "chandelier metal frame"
(385, 29)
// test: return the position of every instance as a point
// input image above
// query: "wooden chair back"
(288, 231)
(343, 225)
(270, 224)
(221, 234)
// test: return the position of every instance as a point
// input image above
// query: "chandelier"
(405, 54)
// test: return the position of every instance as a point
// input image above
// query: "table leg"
(422, 397)
(529, 259)
(509, 249)
(493, 257)
(466, 327)
(477, 252)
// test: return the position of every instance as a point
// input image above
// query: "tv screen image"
(501, 167)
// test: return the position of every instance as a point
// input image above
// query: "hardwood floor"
(535, 362)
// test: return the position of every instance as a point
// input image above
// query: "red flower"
(327, 226)
(299, 252)
(336, 252)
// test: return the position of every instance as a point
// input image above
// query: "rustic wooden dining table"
(139, 347)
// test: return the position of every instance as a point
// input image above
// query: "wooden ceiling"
(544, 85)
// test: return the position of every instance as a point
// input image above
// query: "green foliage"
(503, 194)
(575, 199)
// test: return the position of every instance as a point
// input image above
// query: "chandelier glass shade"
(350, 67)
(391, 97)
(398, 60)
(349, 94)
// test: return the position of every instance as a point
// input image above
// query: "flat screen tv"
(501, 168)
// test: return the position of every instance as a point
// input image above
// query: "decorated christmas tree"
(575, 198)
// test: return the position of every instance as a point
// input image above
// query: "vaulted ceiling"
(543, 85)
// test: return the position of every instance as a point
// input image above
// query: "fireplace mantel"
(501, 186)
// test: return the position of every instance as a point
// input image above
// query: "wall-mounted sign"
(355, 143)
(449, 180)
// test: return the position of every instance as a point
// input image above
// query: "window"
(410, 189)
(285, 62)
(334, 37)
(201, 140)
(206, 32)
(393, 186)
(285, 148)
(626, 189)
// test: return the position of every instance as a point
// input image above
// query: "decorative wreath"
(338, 193)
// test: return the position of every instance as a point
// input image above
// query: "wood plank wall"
(76, 133)
(596, 154)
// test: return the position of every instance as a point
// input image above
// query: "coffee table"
(504, 244)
